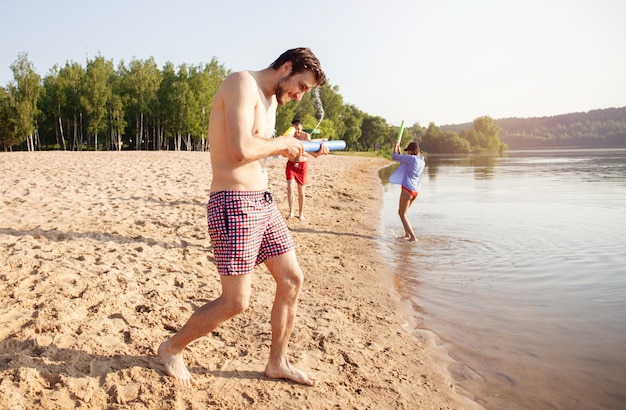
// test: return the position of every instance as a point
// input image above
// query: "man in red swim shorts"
(245, 225)
(297, 172)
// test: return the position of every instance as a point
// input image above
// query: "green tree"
(484, 136)
(452, 143)
(7, 118)
(375, 131)
(167, 105)
(177, 99)
(140, 84)
(24, 92)
(437, 142)
(352, 120)
(116, 111)
(70, 80)
(97, 93)
(431, 141)
(188, 119)
(52, 103)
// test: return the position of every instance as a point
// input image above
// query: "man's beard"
(281, 95)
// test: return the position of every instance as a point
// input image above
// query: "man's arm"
(322, 151)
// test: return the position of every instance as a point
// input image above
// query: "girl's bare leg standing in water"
(406, 200)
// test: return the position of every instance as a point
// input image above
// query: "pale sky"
(441, 61)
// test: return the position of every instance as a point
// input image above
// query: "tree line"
(139, 106)
(102, 107)
(603, 128)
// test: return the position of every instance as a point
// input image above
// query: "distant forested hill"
(604, 128)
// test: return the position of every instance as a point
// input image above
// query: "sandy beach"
(105, 254)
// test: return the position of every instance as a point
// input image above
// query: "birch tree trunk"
(141, 128)
(76, 144)
(61, 130)
(137, 137)
(119, 138)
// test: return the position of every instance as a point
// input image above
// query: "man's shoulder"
(238, 77)
(238, 83)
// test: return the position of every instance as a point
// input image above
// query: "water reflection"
(482, 165)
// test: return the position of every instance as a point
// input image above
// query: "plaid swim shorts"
(246, 228)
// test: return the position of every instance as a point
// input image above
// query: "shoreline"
(79, 228)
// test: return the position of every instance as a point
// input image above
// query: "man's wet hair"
(302, 59)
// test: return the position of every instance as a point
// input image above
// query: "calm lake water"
(520, 270)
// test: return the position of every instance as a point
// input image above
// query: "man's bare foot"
(301, 217)
(290, 215)
(175, 366)
(291, 373)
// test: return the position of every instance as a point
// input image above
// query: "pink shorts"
(246, 228)
(299, 171)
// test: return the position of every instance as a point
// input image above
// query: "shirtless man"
(240, 128)
(297, 172)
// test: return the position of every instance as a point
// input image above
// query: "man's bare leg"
(301, 201)
(289, 278)
(290, 195)
(233, 300)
